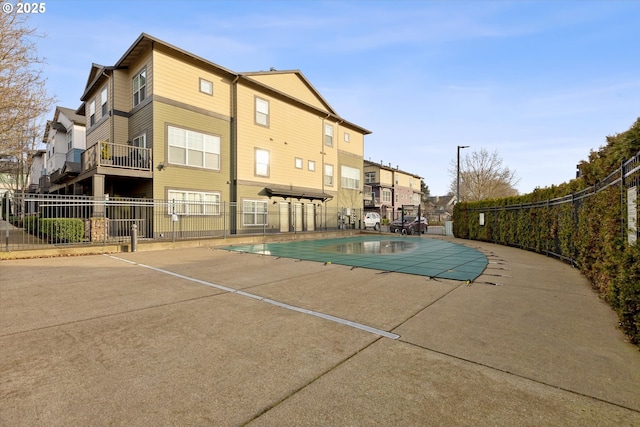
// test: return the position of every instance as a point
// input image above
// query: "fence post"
(224, 220)
(623, 205)
(134, 237)
(104, 221)
(6, 219)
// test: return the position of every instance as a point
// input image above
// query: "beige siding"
(141, 122)
(292, 133)
(181, 177)
(355, 143)
(122, 95)
(143, 62)
(120, 129)
(180, 81)
(406, 180)
(386, 177)
(291, 84)
(99, 133)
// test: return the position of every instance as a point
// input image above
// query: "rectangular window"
(262, 112)
(350, 177)
(328, 135)
(254, 212)
(328, 175)
(195, 149)
(262, 162)
(92, 113)
(193, 203)
(140, 87)
(386, 195)
(298, 163)
(369, 177)
(206, 86)
(312, 166)
(103, 102)
(70, 140)
(346, 137)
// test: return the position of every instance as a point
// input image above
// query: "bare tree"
(482, 176)
(23, 99)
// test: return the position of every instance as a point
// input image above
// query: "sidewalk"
(16, 237)
(202, 336)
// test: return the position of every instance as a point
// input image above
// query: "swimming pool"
(422, 256)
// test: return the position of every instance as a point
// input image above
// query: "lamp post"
(458, 183)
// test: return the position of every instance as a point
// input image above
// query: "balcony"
(367, 193)
(117, 159)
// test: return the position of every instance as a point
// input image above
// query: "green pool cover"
(403, 254)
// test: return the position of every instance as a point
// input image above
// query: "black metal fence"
(36, 221)
(553, 226)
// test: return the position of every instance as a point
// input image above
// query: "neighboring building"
(65, 141)
(163, 123)
(391, 189)
(38, 171)
(440, 208)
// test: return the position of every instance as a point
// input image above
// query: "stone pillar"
(99, 229)
(99, 222)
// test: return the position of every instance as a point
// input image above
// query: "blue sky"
(541, 82)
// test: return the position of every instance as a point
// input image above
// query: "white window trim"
(350, 177)
(369, 177)
(262, 112)
(193, 203)
(92, 113)
(142, 88)
(176, 144)
(260, 217)
(104, 97)
(298, 163)
(311, 165)
(208, 85)
(257, 171)
(328, 135)
(143, 137)
(326, 175)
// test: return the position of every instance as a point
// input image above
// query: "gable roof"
(72, 115)
(292, 82)
(266, 80)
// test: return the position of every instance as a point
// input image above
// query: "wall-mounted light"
(162, 166)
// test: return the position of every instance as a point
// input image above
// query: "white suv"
(372, 219)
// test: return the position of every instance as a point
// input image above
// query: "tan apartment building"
(165, 124)
(391, 189)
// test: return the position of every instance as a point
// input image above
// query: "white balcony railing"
(116, 156)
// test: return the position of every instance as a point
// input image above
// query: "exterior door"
(297, 216)
(310, 216)
(284, 217)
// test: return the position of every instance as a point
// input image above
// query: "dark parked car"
(410, 225)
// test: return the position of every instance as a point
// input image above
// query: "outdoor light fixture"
(458, 183)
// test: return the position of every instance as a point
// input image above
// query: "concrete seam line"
(267, 300)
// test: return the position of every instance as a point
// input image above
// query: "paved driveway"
(203, 336)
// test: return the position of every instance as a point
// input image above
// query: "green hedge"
(580, 221)
(62, 230)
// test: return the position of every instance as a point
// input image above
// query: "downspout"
(233, 158)
(323, 171)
